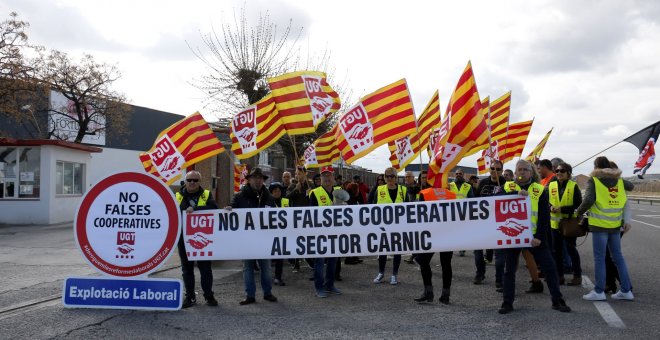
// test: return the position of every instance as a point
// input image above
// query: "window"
(20, 172)
(69, 178)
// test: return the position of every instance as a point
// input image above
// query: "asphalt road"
(35, 260)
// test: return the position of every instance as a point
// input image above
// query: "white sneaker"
(593, 296)
(393, 280)
(378, 278)
(623, 296)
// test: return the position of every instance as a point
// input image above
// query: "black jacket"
(250, 198)
(191, 199)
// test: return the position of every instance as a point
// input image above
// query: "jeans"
(500, 261)
(188, 273)
(396, 262)
(329, 281)
(601, 242)
(543, 258)
(248, 277)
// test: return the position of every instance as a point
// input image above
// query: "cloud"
(617, 130)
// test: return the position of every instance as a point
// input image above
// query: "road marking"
(606, 312)
(650, 216)
(648, 224)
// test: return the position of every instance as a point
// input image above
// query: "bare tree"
(18, 87)
(91, 103)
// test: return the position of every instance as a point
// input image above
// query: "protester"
(605, 199)
(526, 184)
(424, 259)
(508, 175)
(388, 194)
(380, 180)
(491, 186)
(545, 171)
(565, 197)
(461, 188)
(474, 182)
(286, 181)
(253, 196)
(316, 181)
(409, 180)
(193, 197)
(611, 274)
(413, 196)
(276, 189)
(363, 188)
(322, 196)
(298, 195)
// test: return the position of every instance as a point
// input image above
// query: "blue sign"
(100, 292)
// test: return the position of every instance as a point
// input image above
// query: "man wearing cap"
(193, 197)
(322, 196)
(254, 196)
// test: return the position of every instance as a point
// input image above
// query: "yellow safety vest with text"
(462, 192)
(565, 201)
(383, 194)
(285, 203)
(534, 192)
(200, 202)
(322, 196)
(607, 211)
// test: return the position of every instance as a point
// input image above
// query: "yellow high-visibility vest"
(607, 211)
(322, 196)
(200, 202)
(383, 194)
(565, 201)
(462, 192)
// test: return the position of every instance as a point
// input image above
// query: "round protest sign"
(127, 224)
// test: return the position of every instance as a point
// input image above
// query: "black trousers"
(424, 261)
(544, 260)
(558, 246)
(188, 271)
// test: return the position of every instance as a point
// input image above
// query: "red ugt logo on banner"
(509, 213)
(198, 226)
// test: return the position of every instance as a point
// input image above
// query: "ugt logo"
(321, 102)
(125, 242)
(167, 159)
(508, 213)
(244, 127)
(198, 228)
(310, 155)
(403, 149)
(614, 192)
(357, 129)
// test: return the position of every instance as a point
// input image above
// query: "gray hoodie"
(609, 178)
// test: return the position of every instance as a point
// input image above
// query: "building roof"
(40, 142)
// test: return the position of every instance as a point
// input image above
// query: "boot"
(427, 296)
(444, 298)
(536, 287)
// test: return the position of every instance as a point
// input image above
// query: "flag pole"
(295, 151)
(599, 152)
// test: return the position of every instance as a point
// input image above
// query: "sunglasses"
(495, 169)
(192, 180)
(563, 171)
(390, 176)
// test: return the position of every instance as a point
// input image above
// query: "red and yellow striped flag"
(378, 118)
(184, 143)
(538, 150)
(255, 128)
(240, 171)
(323, 151)
(465, 125)
(500, 110)
(515, 140)
(404, 150)
(304, 100)
(482, 144)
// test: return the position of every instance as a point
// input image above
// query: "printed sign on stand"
(127, 225)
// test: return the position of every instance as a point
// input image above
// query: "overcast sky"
(589, 69)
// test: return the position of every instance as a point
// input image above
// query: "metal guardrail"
(650, 199)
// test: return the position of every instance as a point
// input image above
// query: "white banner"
(359, 230)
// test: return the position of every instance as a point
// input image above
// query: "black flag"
(640, 138)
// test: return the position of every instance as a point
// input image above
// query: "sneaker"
(593, 296)
(322, 294)
(561, 306)
(379, 278)
(393, 280)
(188, 302)
(333, 290)
(211, 301)
(247, 301)
(505, 308)
(623, 296)
(270, 297)
(478, 279)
